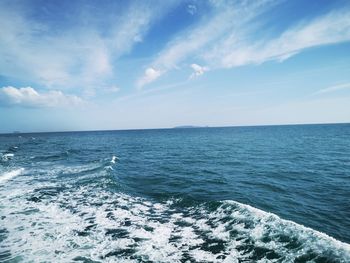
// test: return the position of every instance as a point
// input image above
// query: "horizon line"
(175, 127)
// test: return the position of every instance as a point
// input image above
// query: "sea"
(231, 194)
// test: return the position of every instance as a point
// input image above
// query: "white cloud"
(328, 29)
(227, 16)
(198, 70)
(150, 75)
(234, 36)
(29, 97)
(81, 55)
(334, 88)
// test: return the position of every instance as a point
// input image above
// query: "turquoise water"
(240, 194)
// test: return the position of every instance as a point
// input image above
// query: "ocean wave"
(6, 157)
(89, 223)
(52, 157)
(114, 159)
(10, 175)
(12, 149)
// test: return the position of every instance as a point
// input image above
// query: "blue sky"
(90, 65)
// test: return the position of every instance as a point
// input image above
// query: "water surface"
(240, 194)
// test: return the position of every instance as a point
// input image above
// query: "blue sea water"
(237, 194)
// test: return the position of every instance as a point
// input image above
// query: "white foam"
(270, 219)
(10, 175)
(48, 230)
(7, 156)
(203, 256)
(114, 158)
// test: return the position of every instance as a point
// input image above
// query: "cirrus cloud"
(81, 52)
(225, 17)
(233, 36)
(344, 86)
(328, 29)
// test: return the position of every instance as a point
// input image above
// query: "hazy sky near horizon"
(88, 65)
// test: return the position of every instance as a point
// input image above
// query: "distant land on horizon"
(176, 127)
(189, 126)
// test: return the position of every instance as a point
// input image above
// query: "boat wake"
(89, 224)
(6, 176)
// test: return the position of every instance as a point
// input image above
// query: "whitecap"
(9, 175)
(114, 158)
(7, 156)
(266, 223)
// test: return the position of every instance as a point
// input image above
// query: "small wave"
(109, 168)
(9, 175)
(7, 156)
(12, 149)
(114, 159)
(53, 157)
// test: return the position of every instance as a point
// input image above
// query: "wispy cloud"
(144, 92)
(191, 9)
(81, 55)
(233, 36)
(334, 88)
(328, 29)
(226, 16)
(29, 97)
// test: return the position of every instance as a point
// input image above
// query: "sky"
(105, 65)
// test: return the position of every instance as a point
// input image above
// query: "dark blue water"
(240, 194)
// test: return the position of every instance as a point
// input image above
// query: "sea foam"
(114, 159)
(7, 156)
(100, 226)
(10, 175)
